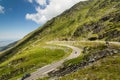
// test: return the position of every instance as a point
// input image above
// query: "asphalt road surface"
(42, 72)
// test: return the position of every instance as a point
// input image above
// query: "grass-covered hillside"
(29, 60)
(97, 61)
(88, 20)
(105, 69)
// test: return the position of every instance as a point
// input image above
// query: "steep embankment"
(92, 52)
(42, 72)
(88, 20)
(98, 62)
(28, 61)
(107, 68)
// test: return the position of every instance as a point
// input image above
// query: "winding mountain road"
(42, 72)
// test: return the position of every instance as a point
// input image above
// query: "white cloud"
(1, 9)
(41, 2)
(30, 1)
(55, 8)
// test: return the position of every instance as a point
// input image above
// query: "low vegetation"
(31, 59)
(84, 22)
(92, 57)
(104, 69)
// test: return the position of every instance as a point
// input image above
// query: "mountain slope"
(84, 21)
(107, 69)
(96, 56)
(88, 20)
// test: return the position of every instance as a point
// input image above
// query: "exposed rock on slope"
(88, 20)
(94, 55)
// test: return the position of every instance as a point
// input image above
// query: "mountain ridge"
(86, 21)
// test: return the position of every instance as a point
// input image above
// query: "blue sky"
(20, 17)
(13, 24)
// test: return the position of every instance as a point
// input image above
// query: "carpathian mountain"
(86, 21)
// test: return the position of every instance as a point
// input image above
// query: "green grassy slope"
(89, 20)
(93, 19)
(28, 60)
(104, 69)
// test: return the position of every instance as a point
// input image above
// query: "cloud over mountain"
(1, 9)
(51, 9)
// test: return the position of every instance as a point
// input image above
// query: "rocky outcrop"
(106, 27)
(86, 61)
(111, 35)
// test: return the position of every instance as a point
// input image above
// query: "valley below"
(82, 43)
